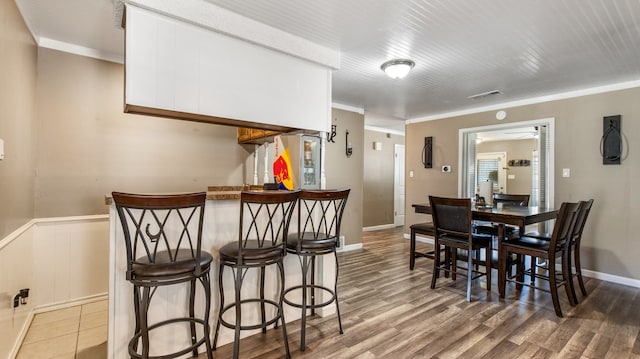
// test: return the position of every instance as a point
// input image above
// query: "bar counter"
(221, 226)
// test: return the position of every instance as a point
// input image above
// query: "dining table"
(503, 215)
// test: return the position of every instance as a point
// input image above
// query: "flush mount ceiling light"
(397, 68)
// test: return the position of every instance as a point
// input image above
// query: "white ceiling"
(523, 48)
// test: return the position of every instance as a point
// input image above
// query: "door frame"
(398, 220)
(464, 133)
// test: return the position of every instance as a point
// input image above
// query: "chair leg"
(554, 287)
(281, 310)
(469, 273)
(412, 250)
(576, 254)
(144, 325)
(262, 309)
(502, 272)
(206, 283)
(335, 292)
(136, 309)
(215, 336)
(534, 269)
(436, 264)
(454, 262)
(487, 263)
(568, 278)
(312, 291)
(192, 315)
(238, 308)
(303, 319)
(447, 261)
(520, 259)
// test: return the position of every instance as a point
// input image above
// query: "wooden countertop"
(213, 192)
(228, 192)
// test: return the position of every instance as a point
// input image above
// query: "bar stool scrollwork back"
(163, 235)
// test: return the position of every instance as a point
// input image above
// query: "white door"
(398, 185)
(493, 166)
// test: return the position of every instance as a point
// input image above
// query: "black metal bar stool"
(264, 224)
(318, 233)
(163, 235)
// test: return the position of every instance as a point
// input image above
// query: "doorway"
(542, 193)
(398, 185)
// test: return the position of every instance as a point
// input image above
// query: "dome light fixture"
(397, 68)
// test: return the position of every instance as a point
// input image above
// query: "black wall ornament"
(427, 152)
(331, 135)
(611, 141)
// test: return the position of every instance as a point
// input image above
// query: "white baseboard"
(71, 303)
(420, 238)
(23, 333)
(377, 228)
(585, 272)
(350, 247)
(612, 278)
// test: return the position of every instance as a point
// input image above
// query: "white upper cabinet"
(178, 69)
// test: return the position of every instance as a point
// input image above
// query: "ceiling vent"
(484, 94)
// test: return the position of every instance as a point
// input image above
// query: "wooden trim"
(149, 111)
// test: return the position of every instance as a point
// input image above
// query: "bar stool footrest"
(134, 354)
(310, 306)
(253, 326)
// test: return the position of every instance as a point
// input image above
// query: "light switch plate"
(1, 149)
(566, 172)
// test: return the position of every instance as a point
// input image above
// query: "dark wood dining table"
(512, 215)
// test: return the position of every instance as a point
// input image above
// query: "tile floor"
(77, 332)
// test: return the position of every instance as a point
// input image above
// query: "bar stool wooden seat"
(318, 233)
(264, 224)
(163, 235)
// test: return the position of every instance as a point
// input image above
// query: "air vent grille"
(484, 94)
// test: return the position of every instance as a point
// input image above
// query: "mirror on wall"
(516, 158)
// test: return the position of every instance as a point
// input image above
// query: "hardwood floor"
(389, 311)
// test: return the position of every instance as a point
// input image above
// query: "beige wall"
(87, 146)
(378, 178)
(516, 150)
(347, 172)
(18, 54)
(610, 244)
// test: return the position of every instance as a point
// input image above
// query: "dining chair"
(508, 200)
(452, 220)
(574, 248)
(264, 224)
(555, 248)
(318, 233)
(163, 235)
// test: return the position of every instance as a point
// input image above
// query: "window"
(488, 171)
